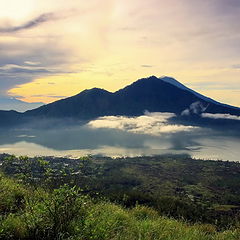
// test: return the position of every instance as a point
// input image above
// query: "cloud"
(95, 36)
(13, 69)
(220, 116)
(153, 124)
(45, 17)
(147, 66)
(128, 28)
(55, 49)
(10, 69)
(24, 59)
(50, 96)
(32, 63)
(195, 108)
(236, 66)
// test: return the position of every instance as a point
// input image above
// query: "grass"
(27, 213)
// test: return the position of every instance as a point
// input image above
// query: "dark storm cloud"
(45, 17)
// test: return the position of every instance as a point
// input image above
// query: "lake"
(150, 134)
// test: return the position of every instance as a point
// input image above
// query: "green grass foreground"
(65, 213)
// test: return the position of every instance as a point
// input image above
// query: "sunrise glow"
(55, 50)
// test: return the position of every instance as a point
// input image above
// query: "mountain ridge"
(152, 94)
(147, 94)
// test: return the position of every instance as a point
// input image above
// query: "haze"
(149, 134)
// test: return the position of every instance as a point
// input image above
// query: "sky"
(54, 49)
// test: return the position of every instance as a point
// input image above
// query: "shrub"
(52, 216)
(12, 196)
(13, 227)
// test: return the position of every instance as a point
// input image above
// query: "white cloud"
(153, 124)
(195, 108)
(220, 116)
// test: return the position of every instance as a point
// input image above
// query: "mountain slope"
(180, 85)
(154, 95)
(85, 105)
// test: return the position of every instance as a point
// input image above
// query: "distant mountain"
(8, 118)
(11, 103)
(148, 94)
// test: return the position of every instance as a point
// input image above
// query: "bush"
(13, 227)
(39, 215)
(12, 196)
(52, 217)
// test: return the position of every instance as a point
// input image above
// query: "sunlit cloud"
(220, 116)
(154, 124)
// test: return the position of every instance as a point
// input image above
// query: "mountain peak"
(96, 90)
(166, 79)
(174, 82)
(93, 91)
(152, 77)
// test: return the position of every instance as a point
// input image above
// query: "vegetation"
(66, 213)
(164, 197)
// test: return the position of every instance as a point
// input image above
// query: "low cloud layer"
(121, 136)
(153, 124)
(220, 116)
